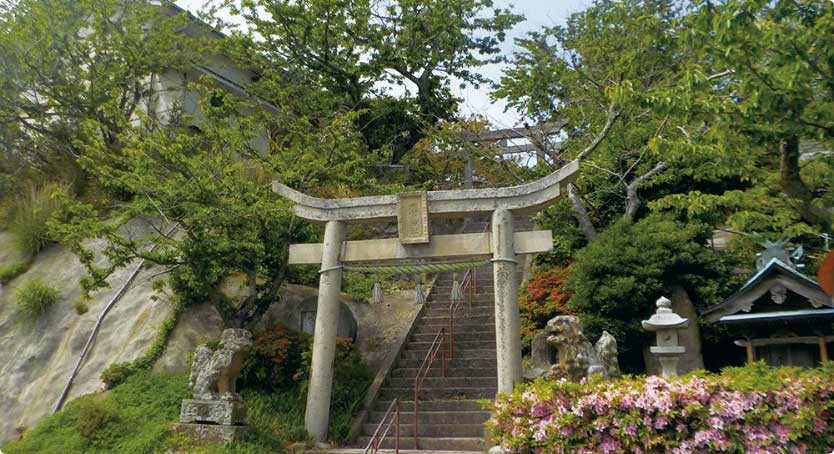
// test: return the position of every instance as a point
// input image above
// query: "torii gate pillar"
(507, 316)
(317, 415)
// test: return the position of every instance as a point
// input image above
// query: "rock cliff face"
(38, 358)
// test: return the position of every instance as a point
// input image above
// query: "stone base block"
(222, 412)
(212, 433)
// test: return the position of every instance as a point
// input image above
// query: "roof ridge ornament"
(779, 250)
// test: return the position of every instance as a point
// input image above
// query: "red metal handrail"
(435, 347)
(376, 439)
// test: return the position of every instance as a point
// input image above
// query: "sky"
(476, 101)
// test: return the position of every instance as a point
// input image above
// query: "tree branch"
(613, 113)
(581, 214)
(632, 199)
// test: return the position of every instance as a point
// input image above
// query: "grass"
(133, 418)
(13, 270)
(34, 299)
(29, 213)
(136, 416)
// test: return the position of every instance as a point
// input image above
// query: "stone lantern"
(666, 324)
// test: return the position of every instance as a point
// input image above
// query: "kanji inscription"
(413, 218)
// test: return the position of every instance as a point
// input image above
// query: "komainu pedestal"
(216, 413)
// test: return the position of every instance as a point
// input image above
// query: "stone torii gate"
(413, 212)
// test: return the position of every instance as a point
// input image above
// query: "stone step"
(481, 335)
(474, 372)
(444, 320)
(480, 273)
(484, 288)
(456, 362)
(460, 345)
(443, 382)
(445, 296)
(433, 417)
(487, 329)
(434, 445)
(463, 311)
(443, 306)
(469, 354)
(388, 393)
(433, 430)
(461, 326)
(433, 405)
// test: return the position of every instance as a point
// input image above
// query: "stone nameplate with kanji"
(413, 217)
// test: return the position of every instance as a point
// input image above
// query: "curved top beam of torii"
(525, 197)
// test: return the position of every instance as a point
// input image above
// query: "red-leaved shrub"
(540, 299)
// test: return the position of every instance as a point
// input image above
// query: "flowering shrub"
(755, 409)
(279, 365)
(276, 358)
(542, 298)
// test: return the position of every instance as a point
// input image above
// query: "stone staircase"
(450, 417)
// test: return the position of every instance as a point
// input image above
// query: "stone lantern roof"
(664, 318)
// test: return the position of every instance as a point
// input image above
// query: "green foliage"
(359, 285)
(81, 307)
(338, 61)
(102, 68)
(94, 415)
(134, 418)
(34, 298)
(13, 270)
(567, 235)
(617, 278)
(32, 208)
(541, 298)
(303, 275)
(696, 109)
(116, 374)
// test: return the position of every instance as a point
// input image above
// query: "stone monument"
(665, 323)
(577, 357)
(216, 413)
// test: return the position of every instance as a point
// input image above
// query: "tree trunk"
(792, 185)
(790, 180)
(581, 214)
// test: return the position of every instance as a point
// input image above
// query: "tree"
(352, 49)
(206, 201)
(602, 79)
(653, 99)
(64, 63)
(776, 84)
(84, 92)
